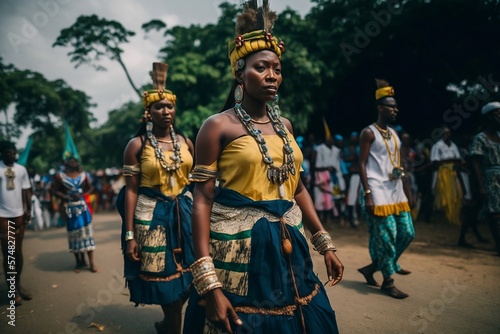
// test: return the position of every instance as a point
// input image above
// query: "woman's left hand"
(334, 268)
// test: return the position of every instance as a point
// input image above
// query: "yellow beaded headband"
(251, 42)
(159, 76)
(156, 95)
(254, 33)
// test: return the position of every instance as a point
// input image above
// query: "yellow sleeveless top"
(153, 175)
(241, 168)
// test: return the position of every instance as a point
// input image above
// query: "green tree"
(420, 46)
(199, 70)
(122, 124)
(7, 129)
(331, 59)
(42, 106)
(93, 38)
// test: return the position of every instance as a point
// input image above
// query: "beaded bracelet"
(322, 242)
(204, 277)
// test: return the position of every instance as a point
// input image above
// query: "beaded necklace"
(386, 134)
(277, 175)
(394, 157)
(175, 157)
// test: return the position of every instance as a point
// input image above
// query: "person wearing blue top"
(70, 186)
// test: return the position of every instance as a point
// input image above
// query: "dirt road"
(452, 290)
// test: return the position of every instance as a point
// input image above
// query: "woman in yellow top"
(156, 208)
(253, 268)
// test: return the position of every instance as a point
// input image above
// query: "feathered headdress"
(159, 77)
(254, 33)
(383, 89)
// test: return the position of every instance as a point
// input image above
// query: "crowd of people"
(222, 223)
(66, 197)
(444, 177)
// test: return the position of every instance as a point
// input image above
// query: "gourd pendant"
(286, 246)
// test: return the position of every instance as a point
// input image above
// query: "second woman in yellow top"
(156, 208)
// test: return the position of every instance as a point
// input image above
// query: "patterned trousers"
(389, 237)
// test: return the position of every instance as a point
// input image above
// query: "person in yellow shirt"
(155, 205)
(253, 271)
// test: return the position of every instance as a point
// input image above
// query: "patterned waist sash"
(151, 233)
(286, 310)
(231, 240)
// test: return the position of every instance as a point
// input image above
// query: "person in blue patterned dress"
(70, 186)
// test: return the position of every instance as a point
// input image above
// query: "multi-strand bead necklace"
(175, 157)
(277, 175)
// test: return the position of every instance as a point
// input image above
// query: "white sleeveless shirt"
(388, 195)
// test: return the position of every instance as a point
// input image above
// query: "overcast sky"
(29, 28)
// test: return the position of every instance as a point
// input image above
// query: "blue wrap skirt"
(270, 291)
(162, 228)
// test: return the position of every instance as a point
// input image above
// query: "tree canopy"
(439, 55)
(43, 106)
(93, 38)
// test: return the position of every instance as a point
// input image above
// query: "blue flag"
(70, 148)
(23, 158)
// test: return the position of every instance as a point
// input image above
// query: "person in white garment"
(15, 214)
(386, 195)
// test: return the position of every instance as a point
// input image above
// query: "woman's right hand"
(220, 312)
(369, 206)
(133, 250)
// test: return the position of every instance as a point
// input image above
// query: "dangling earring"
(146, 117)
(149, 127)
(238, 94)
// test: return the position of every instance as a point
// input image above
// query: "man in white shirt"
(15, 213)
(386, 197)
